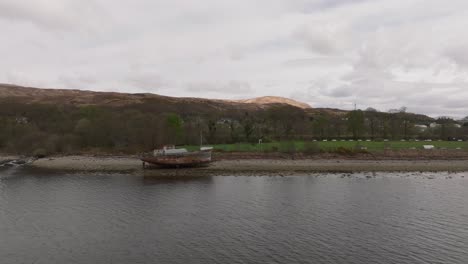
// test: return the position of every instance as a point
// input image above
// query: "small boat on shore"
(169, 156)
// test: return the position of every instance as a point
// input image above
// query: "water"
(103, 218)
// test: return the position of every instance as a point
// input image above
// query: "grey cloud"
(318, 39)
(335, 3)
(455, 104)
(145, 81)
(384, 54)
(342, 91)
(78, 81)
(317, 61)
(17, 11)
(236, 53)
(55, 15)
(420, 97)
(459, 55)
(231, 87)
(21, 78)
(312, 6)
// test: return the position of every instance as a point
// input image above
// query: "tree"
(83, 129)
(372, 123)
(447, 127)
(371, 109)
(356, 123)
(248, 127)
(174, 125)
(284, 120)
(233, 131)
(211, 131)
(319, 124)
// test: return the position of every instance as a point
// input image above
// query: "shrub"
(344, 151)
(287, 147)
(311, 147)
(39, 153)
(239, 147)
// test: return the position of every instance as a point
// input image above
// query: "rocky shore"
(89, 163)
(7, 158)
(271, 166)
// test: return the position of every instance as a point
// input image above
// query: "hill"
(29, 95)
(266, 100)
(60, 120)
(14, 94)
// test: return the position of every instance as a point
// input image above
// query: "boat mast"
(201, 135)
(201, 138)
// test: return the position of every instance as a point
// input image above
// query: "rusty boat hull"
(189, 159)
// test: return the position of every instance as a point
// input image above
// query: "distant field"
(301, 146)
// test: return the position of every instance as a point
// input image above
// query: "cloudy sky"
(328, 53)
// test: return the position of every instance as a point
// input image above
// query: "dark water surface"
(99, 218)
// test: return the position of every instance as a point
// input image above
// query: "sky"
(383, 54)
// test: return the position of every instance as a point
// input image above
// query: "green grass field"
(301, 146)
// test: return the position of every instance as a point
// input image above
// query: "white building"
(434, 125)
(421, 128)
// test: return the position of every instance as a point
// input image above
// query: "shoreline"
(249, 165)
(7, 158)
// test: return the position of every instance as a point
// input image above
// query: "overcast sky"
(328, 53)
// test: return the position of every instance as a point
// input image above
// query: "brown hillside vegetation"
(265, 100)
(30, 95)
(59, 120)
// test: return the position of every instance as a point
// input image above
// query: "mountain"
(265, 100)
(147, 102)
(59, 120)
(30, 95)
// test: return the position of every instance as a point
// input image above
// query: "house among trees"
(225, 121)
(21, 120)
(434, 125)
(421, 128)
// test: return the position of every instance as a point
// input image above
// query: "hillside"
(13, 94)
(68, 121)
(265, 100)
(30, 95)
(158, 103)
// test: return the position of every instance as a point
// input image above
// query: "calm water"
(99, 218)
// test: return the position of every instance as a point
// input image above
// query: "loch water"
(321, 218)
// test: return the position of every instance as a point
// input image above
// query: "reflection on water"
(118, 218)
(149, 180)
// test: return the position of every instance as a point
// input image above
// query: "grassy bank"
(332, 146)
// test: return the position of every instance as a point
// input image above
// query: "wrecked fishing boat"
(172, 157)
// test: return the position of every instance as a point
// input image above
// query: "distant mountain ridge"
(84, 97)
(275, 100)
(162, 104)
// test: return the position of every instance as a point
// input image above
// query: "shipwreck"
(172, 157)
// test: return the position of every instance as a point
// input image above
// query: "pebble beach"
(247, 166)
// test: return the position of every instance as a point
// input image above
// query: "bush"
(239, 147)
(344, 151)
(311, 147)
(287, 147)
(39, 153)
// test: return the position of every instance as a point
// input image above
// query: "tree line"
(46, 128)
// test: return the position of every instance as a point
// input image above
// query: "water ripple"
(389, 218)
